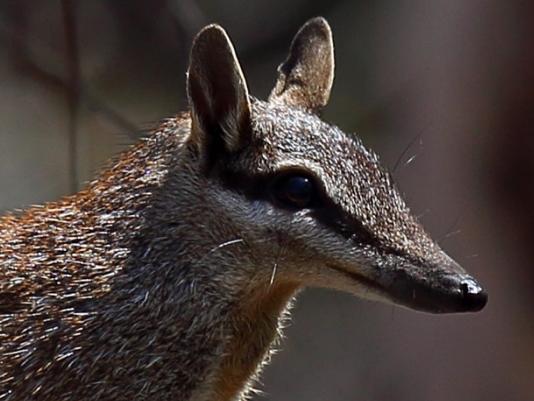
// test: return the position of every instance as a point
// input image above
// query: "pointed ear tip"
(211, 33)
(319, 24)
(212, 28)
(319, 21)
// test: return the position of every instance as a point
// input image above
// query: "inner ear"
(217, 92)
(305, 78)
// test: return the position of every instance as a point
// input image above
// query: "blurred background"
(442, 90)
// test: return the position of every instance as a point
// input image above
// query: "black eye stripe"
(328, 213)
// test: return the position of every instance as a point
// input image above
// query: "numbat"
(167, 277)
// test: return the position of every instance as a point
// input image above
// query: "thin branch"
(73, 95)
(9, 34)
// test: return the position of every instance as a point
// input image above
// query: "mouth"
(445, 293)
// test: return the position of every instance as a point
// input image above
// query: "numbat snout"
(167, 277)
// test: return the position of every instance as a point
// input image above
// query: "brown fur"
(254, 335)
(170, 275)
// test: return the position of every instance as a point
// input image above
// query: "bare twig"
(73, 95)
(10, 34)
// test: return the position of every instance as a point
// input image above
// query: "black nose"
(474, 298)
(447, 293)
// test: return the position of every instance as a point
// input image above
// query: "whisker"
(411, 159)
(278, 255)
(227, 243)
(451, 232)
(221, 246)
(406, 149)
(273, 273)
(474, 255)
(422, 214)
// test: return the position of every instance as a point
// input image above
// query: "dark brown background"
(449, 82)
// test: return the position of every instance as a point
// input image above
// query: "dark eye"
(294, 191)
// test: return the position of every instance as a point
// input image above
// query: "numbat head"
(168, 276)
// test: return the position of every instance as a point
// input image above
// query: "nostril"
(474, 297)
(464, 288)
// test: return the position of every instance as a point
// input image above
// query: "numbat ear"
(305, 78)
(217, 92)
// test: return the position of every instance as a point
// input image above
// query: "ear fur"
(217, 92)
(305, 78)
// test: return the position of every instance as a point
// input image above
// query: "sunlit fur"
(129, 278)
(169, 277)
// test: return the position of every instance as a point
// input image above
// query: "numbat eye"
(295, 191)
